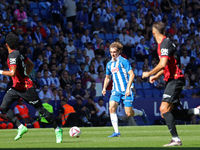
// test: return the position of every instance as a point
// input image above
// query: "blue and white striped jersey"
(119, 70)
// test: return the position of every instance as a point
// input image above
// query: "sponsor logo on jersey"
(164, 51)
(166, 96)
(12, 61)
(115, 70)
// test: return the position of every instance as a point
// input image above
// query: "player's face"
(114, 53)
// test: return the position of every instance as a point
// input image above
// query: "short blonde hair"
(117, 45)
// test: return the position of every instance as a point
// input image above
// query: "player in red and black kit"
(169, 65)
(19, 69)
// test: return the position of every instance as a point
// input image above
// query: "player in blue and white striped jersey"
(123, 77)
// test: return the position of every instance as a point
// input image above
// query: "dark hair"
(100, 99)
(12, 40)
(160, 26)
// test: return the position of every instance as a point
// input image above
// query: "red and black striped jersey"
(20, 81)
(168, 49)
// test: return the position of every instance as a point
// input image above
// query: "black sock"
(169, 119)
(11, 116)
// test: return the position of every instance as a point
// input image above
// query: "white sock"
(137, 112)
(196, 111)
(176, 139)
(20, 126)
(57, 129)
(114, 121)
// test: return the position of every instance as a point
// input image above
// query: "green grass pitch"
(135, 137)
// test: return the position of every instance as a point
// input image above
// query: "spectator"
(46, 79)
(102, 11)
(54, 95)
(107, 16)
(138, 37)
(55, 11)
(79, 92)
(92, 15)
(67, 114)
(173, 29)
(79, 58)
(82, 112)
(22, 113)
(90, 51)
(60, 94)
(37, 35)
(93, 110)
(34, 21)
(92, 91)
(81, 70)
(3, 85)
(110, 26)
(6, 28)
(120, 15)
(142, 50)
(79, 30)
(92, 72)
(185, 59)
(86, 78)
(98, 62)
(41, 29)
(100, 78)
(38, 81)
(20, 14)
(60, 43)
(166, 6)
(122, 21)
(179, 37)
(71, 49)
(65, 78)
(102, 115)
(85, 38)
(44, 95)
(97, 26)
(187, 81)
(193, 81)
(73, 68)
(82, 15)
(55, 79)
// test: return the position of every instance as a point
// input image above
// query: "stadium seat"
(108, 36)
(126, 8)
(146, 85)
(115, 36)
(102, 36)
(36, 11)
(156, 93)
(44, 13)
(140, 65)
(188, 93)
(140, 93)
(33, 5)
(138, 86)
(148, 93)
(126, 2)
(134, 8)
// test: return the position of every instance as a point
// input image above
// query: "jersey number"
(23, 65)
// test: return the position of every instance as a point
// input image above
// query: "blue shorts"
(118, 96)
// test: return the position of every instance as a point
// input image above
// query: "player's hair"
(160, 26)
(117, 45)
(12, 40)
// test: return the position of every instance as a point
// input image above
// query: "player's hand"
(145, 74)
(103, 92)
(128, 92)
(152, 79)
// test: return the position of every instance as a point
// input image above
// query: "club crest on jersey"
(115, 70)
(164, 51)
(12, 61)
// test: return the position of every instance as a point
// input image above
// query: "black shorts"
(173, 90)
(30, 96)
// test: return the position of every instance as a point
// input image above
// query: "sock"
(57, 129)
(20, 126)
(114, 121)
(196, 111)
(169, 119)
(176, 139)
(137, 112)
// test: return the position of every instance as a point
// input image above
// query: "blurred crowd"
(68, 41)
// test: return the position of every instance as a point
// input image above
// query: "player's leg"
(9, 98)
(169, 100)
(31, 97)
(130, 111)
(113, 104)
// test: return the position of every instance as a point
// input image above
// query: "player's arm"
(29, 67)
(152, 79)
(161, 65)
(106, 82)
(11, 72)
(131, 78)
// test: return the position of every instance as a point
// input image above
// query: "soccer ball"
(75, 132)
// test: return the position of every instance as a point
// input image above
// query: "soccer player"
(169, 65)
(19, 69)
(123, 77)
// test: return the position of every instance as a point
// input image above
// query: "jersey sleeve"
(108, 72)
(126, 65)
(13, 59)
(166, 48)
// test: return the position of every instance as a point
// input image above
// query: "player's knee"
(112, 110)
(4, 109)
(129, 114)
(163, 109)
